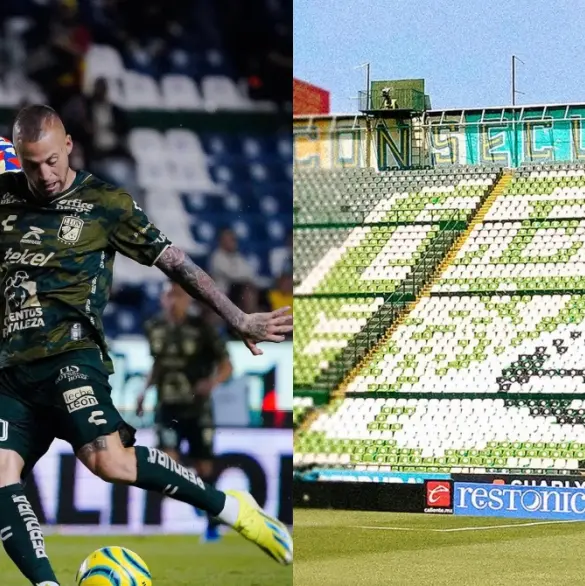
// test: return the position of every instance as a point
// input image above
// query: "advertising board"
(438, 497)
(529, 502)
(556, 480)
(64, 493)
(334, 475)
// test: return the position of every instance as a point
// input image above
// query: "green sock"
(158, 472)
(22, 537)
(212, 521)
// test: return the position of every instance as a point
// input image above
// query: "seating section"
(195, 184)
(373, 259)
(487, 344)
(486, 371)
(531, 238)
(363, 236)
(323, 328)
(309, 245)
(202, 61)
(442, 434)
(364, 196)
(302, 406)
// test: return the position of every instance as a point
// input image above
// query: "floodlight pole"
(513, 80)
(514, 90)
(368, 80)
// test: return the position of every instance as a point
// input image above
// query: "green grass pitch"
(351, 548)
(173, 561)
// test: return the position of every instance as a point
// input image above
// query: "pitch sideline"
(455, 529)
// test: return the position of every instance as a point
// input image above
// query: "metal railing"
(392, 99)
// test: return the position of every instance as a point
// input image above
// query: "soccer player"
(59, 232)
(190, 360)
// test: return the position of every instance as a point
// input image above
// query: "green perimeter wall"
(503, 136)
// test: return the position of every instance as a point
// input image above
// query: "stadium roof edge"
(440, 110)
(322, 116)
(507, 107)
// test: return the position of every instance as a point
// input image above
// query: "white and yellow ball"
(113, 566)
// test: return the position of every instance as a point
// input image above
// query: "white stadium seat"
(141, 91)
(102, 61)
(221, 93)
(180, 93)
(146, 143)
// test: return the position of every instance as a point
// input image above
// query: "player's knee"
(116, 467)
(11, 465)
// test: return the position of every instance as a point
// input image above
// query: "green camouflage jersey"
(183, 354)
(57, 256)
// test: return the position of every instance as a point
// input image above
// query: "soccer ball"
(113, 566)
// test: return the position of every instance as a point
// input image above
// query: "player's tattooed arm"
(182, 270)
(100, 444)
(253, 328)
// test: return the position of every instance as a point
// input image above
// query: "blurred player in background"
(189, 361)
(61, 229)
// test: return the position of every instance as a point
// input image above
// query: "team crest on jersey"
(70, 229)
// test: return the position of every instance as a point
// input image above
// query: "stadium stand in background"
(440, 317)
(188, 105)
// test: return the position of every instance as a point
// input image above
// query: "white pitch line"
(389, 528)
(455, 529)
(506, 526)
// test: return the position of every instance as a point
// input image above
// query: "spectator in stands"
(76, 119)
(109, 128)
(228, 265)
(108, 155)
(281, 258)
(282, 294)
(56, 62)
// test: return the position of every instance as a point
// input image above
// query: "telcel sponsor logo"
(531, 502)
(26, 257)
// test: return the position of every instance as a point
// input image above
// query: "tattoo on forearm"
(181, 269)
(99, 444)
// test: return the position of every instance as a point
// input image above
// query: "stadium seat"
(102, 61)
(180, 93)
(141, 91)
(147, 143)
(221, 93)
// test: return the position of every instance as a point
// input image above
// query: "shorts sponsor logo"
(96, 418)
(33, 236)
(439, 496)
(71, 373)
(70, 229)
(79, 398)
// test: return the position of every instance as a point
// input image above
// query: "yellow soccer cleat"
(265, 531)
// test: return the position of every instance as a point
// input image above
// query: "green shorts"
(66, 396)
